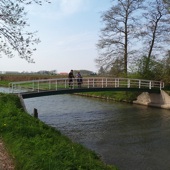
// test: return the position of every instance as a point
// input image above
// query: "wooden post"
(35, 113)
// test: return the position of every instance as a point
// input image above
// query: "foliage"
(166, 68)
(155, 70)
(34, 145)
(14, 39)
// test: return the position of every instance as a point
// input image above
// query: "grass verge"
(116, 96)
(4, 83)
(36, 146)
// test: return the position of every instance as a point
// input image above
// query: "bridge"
(46, 87)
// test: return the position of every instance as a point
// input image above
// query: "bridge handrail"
(88, 82)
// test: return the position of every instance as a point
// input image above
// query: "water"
(4, 90)
(132, 137)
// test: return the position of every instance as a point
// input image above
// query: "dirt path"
(6, 162)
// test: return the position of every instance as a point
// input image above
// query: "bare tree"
(156, 30)
(13, 36)
(116, 38)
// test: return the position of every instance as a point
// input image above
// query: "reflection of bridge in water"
(46, 87)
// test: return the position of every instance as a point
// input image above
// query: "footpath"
(6, 162)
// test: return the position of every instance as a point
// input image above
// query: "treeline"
(135, 40)
(159, 69)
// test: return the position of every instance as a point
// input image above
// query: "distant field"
(25, 77)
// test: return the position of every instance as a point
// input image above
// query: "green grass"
(36, 146)
(117, 96)
(4, 83)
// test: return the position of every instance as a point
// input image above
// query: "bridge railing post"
(150, 85)
(65, 84)
(56, 85)
(33, 86)
(73, 83)
(88, 83)
(117, 82)
(128, 83)
(49, 85)
(139, 84)
(38, 86)
(12, 86)
(161, 85)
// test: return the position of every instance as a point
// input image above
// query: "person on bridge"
(70, 79)
(79, 79)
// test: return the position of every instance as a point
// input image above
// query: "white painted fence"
(92, 82)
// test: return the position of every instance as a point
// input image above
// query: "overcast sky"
(68, 30)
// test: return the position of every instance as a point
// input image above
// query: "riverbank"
(26, 137)
(161, 100)
(127, 97)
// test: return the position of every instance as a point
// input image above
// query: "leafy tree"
(155, 70)
(116, 38)
(14, 39)
(166, 68)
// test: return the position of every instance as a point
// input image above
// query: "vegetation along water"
(35, 145)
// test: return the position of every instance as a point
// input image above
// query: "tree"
(14, 39)
(101, 71)
(155, 31)
(116, 38)
(155, 70)
(117, 69)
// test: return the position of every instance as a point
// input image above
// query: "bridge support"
(161, 100)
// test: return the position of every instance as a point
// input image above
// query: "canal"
(132, 137)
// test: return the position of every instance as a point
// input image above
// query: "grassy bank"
(116, 96)
(36, 146)
(4, 83)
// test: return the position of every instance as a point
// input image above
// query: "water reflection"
(130, 136)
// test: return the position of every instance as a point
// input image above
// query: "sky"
(69, 31)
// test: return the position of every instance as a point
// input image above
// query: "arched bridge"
(45, 87)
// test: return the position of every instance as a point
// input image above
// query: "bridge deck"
(82, 90)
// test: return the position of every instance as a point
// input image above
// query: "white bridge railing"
(97, 82)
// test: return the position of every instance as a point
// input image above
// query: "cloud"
(59, 9)
(68, 7)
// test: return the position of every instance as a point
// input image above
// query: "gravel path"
(6, 162)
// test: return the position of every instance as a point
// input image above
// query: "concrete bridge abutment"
(161, 100)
